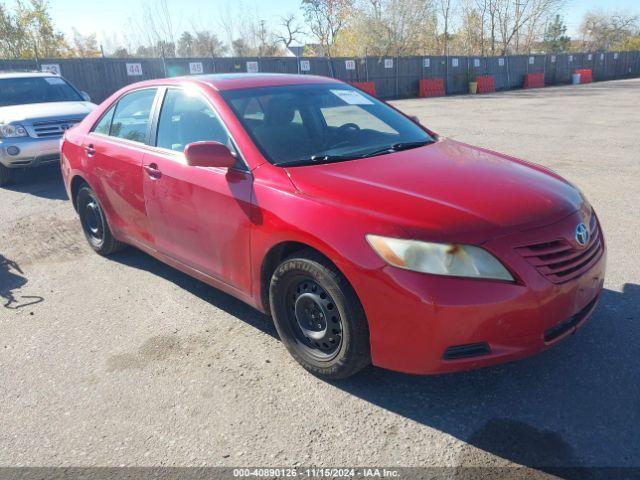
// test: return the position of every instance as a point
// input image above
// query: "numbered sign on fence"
(553, 59)
(501, 62)
(305, 66)
(350, 64)
(388, 63)
(134, 69)
(196, 68)
(589, 57)
(50, 68)
(602, 56)
(427, 63)
(252, 67)
(615, 56)
(532, 60)
(454, 62)
(570, 58)
(476, 62)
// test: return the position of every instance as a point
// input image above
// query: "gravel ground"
(125, 361)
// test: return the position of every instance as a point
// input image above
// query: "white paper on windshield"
(51, 68)
(54, 80)
(352, 97)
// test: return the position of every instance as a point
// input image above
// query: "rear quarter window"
(104, 125)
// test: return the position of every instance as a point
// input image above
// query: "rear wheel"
(94, 223)
(6, 176)
(319, 317)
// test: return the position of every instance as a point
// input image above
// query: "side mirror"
(209, 154)
(85, 96)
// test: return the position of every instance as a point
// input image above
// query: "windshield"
(303, 124)
(20, 91)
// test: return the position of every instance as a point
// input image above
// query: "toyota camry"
(367, 237)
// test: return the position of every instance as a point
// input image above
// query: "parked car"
(35, 110)
(367, 237)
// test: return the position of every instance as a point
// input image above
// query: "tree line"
(351, 28)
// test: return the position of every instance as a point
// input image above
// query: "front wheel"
(319, 317)
(94, 223)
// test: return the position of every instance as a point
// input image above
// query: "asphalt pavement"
(125, 361)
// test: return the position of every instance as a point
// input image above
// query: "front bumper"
(32, 152)
(415, 319)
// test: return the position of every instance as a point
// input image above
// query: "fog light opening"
(457, 352)
(13, 150)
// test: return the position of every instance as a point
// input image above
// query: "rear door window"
(131, 116)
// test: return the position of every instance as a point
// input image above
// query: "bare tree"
(482, 6)
(515, 16)
(602, 30)
(291, 31)
(153, 31)
(445, 7)
(227, 21)
(326, 18)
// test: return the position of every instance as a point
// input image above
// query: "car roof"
(25, 74)
(235, 81)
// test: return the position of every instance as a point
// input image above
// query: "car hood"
(446, 191)
(45, 111)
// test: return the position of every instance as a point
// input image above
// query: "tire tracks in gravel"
(43, 239)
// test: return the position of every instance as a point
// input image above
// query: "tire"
(6, 176)
(319, 317)
(94, 223)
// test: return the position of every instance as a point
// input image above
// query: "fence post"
(164, 63)
(366, 66)
(446, 74)
(35, 49)
(397, 75)
(468, 74)
(506, 60)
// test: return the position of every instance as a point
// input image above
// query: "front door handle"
(152, 170)
(91, 151)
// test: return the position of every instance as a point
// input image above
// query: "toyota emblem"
(582, 234)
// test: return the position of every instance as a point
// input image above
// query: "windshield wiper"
(317, 159)
(397, 147)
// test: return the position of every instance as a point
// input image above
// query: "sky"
(109, 18)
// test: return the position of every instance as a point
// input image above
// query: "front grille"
(53, 128)
(558, 330)
(559, 260)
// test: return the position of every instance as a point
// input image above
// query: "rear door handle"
(91, 151)
(152, 170)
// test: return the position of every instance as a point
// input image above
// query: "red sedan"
(367, 237)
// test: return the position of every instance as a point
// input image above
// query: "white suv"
(35, 111)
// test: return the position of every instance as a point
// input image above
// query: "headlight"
(12, 131)
(439, 258)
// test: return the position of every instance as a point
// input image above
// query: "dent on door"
(118, 170)
(201, 217)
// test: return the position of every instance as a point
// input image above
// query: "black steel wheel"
(94, 223)
(318, 316)
(314, 318)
